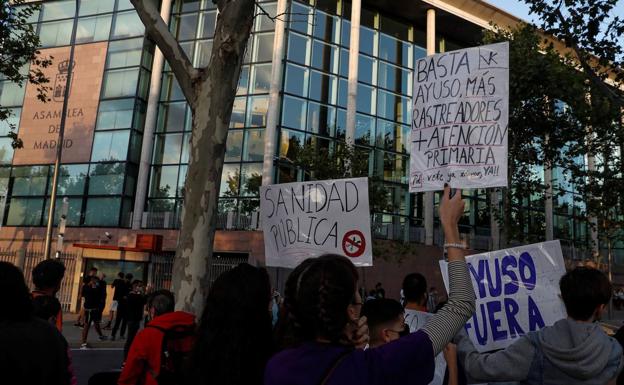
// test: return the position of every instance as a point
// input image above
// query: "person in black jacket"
(92, 294)
(134, 312)
(32, 351)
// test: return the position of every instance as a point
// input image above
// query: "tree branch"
(158, 31)
(587, 68)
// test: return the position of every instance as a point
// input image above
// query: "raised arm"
(461, 303)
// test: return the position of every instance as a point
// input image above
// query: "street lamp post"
(61, 138)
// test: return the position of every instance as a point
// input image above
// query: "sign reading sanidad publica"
(309, 219)
(517, 292)
(460, 112)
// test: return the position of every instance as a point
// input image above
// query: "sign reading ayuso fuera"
(517, 292)
(459, 119)
(309, 219)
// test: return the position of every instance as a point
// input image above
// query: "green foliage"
(557, 119)
(341, 161)
(18, 49)
(589, 28)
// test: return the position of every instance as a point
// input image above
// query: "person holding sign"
(575, 350)
(324, 310)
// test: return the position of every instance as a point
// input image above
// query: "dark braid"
(318, 293)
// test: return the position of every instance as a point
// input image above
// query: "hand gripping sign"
(460, 113)
(309, 219)
(517, 292)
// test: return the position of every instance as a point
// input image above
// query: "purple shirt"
(406, 361)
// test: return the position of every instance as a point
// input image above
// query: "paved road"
(88, 362)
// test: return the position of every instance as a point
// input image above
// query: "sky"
(520, 9)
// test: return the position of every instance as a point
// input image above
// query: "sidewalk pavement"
(73, 334)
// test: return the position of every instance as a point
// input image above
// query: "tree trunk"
(215, 90)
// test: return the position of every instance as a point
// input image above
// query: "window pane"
(321, 119)
(181, 180)
(393, 136)
(164, 181)
(290, 143)
(127, 24)
(251, 179)
(12, 122)
(394, 78)
(394, 107)
(72, 179)
(119, 83)
(25, 212)
(261, 78)
(365, 69)
(293, 113)
(343, 92)
(297, 48)
(11, 94)
(364, 130)
(93, 29)
(55, 34)
(344, 63)
(345, 38)
(92, 7)
(102, 212)
(237, 119)
(6, 150)
(365, 99)
(170, 88)
(296, 80)
(367, 40)
(167, 149)
(207, 22)
(74, 207)
(124, 4)
(325, 26)
(264, 23)
(54, 10)
(30, 180)
(243, 81)
(203, 50)
(184, 26)
(234, 146)
(109, 146)
(172, 117)
(106, 178)
(323, 87)
(124, 53)
(264, 47)
(254, 145)
(113, 114)
(185, 148)
(257, 110)
(388, 48)
(230, 180)
(324, 57)
(299, 19)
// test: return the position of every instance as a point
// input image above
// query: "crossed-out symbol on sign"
(353, 243)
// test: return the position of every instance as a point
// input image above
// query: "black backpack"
(175, 356)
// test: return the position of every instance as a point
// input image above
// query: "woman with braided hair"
(324, 306)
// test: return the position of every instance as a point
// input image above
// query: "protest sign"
(309, 219)
(460, 111)
(517, 292)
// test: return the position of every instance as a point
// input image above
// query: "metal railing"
(28, 259)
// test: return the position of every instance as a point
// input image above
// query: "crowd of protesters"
(322, 331)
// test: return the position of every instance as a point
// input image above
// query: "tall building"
(127, 130)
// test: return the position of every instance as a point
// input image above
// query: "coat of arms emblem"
(60, 82)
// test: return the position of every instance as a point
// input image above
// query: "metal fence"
(161, 270)
(27, 260)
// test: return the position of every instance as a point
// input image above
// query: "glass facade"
(100, 192)
(312, 110)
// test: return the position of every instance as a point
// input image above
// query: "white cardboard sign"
(460, 111)
(517, 292)
(309, 219)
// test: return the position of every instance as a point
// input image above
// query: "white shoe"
(84, 346)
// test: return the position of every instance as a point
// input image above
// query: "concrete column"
(151, 118)
(277, 71)
(354, 53)
(548, 203)
(428, 197)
